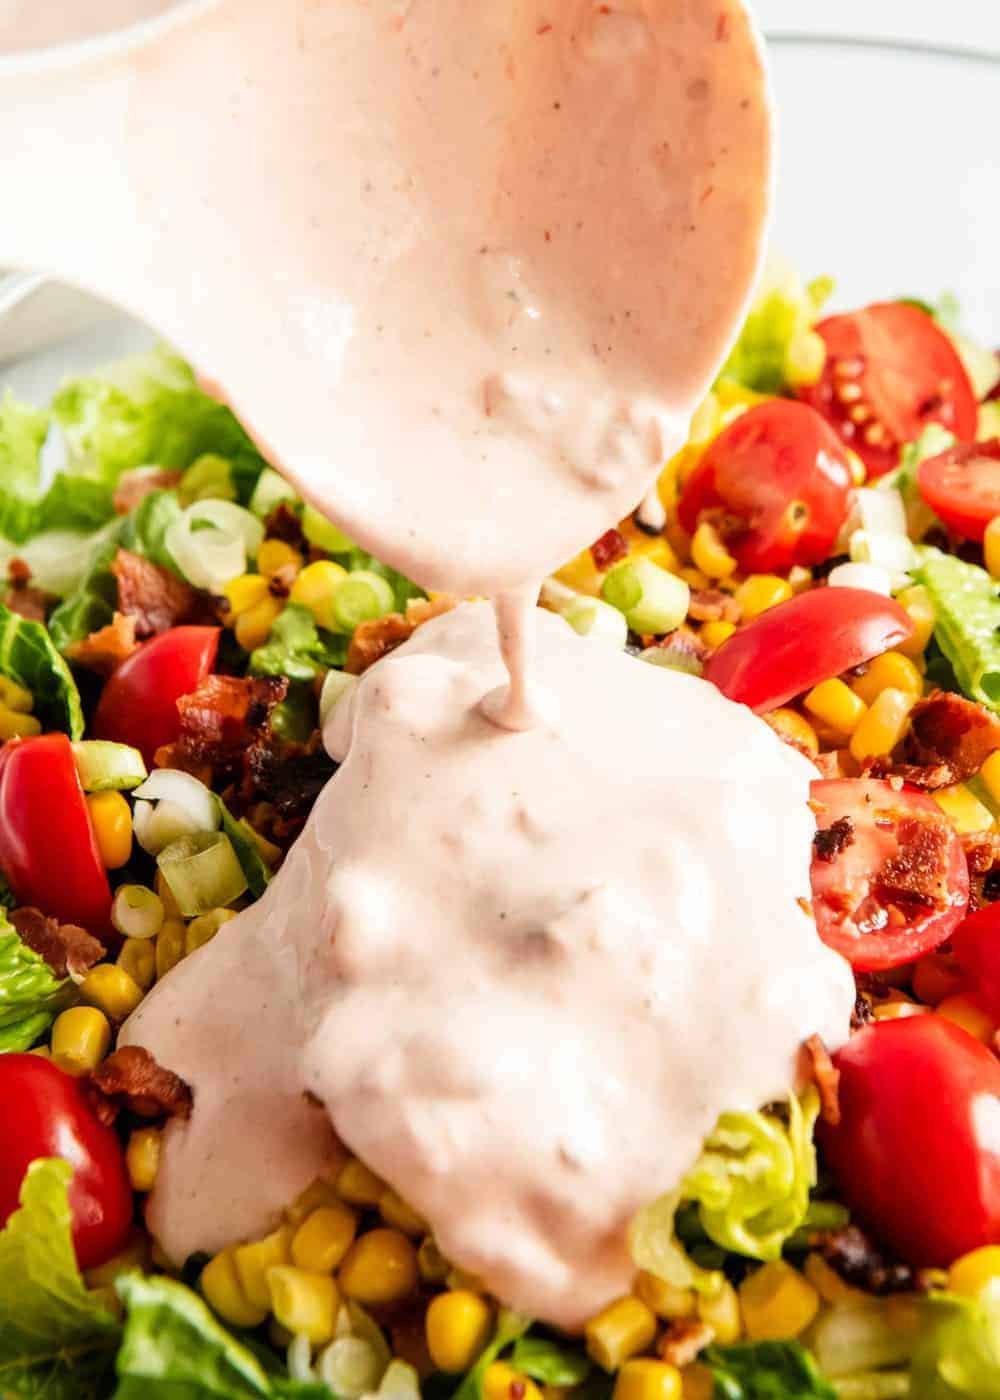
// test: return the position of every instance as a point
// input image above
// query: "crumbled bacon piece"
(67, 949)
(284, 524)
(947, 728)
(153, 596)
(926, 776)
(226, 714)
(18, 573)
(606, 551)
(684, 1339)
(373, 640)
(30, 603)
(864, 1012)
(916, 872)
(134, 486)
(712, 605)
(130, 1077)
(289, 782)
(826, 1077)
(830, 840)
(106, 648)
(982, 856)
(858, 1262)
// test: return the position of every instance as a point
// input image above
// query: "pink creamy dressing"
(522, 973)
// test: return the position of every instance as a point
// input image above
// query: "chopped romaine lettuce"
(776, 337)
(22, 432)
(209, 478)
(967, 611)
(919, 516)
(28, 657)
(56, 1339)
(297, 648)
(551, 1362)
(510, 1326)
(30, 993)
(765, 1371)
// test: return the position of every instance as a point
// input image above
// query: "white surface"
(960, 24)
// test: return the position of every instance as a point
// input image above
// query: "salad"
(175, 627)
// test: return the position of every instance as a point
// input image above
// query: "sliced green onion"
(137, 912)
(892, 552)
(107, 767)
(335, 687)
(202, 872)
(653, 600)
(323, 533)
(351, 1367)
(874, 1385)
(209, 477)
(869, 576)
(210, 558)
(596, 620)
(271, 490)
(362, 597)
(187, 791)
(859, 1337)
(673, 658)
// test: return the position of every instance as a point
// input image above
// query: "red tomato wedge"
(898, 883)
(976, 947)
(138, 706)
(889, 372)
(46, 1114)
(794, 646)
(962, 486)
(916, 1154)
(779, 481)
(48, 853)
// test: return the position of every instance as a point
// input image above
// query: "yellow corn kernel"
(138, 959)
(794, 729)
(458, 1326)
(14, 725)
(223, 1293)
(111, 820)
(394, 1211)
(42, 1051)
(658, 550)
(315, 588)
(324, 1237)
(761, 591)
(134, 1255)
(379, 1267)
(111, 990)
(622, 1329)
(975, 1271)
(963, 809)
(305, 1303)
(252, 1262)
(646, 1379)
(694, 578)
(713, 634)
(433, 1266)
(357, 1185)
(665, 1299)
(15, 697)
(892, 670)
(169, 945)
(709, 554)
(991, 547)
(581, 574)
(828, 1283)
(936, 976)
(721, 1312)
(776, 1301)
(836, 705)
(917, 602)
(254, 626)
(859, 473)
(883, 726)
(81, 1037)
(244, 593)
(142, 1158)
(969, 1013)
(989, 775)
(898, 1010)
(204, 927)
(317, 1193)
(502, 1382)
(277, 554)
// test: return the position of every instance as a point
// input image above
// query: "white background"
(945, 23)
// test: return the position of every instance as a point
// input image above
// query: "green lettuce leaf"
(297, 648)
(765, 1371)
(967, 611)
(552, 1363)
(510, 1326)
(22, 432)
(770, 343)
(174, 1349)
(29, 657)
(56, 1338)
(146, 410)
(919, 516)
(247, 851)
(30, 994)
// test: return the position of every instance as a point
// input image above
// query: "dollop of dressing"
(522, 973)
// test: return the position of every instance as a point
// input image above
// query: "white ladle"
(436, 251)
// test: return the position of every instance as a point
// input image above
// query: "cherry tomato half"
(48, 853)
(889, 372)
(45, 1114)
(138, 706)
(792, 647)
(916, 1154)
(898, 886)
(962, 486)
(976, 947)
(779, 480)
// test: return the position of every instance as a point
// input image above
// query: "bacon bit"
(67, 949)
(947, 728)
(829, 841)
(224, 716)
(284, 524)
(683, 1339)
(279, 585)
(131, 1078)
(928, 777)
(982, 851)
(863, 1013)
(156, 598)
(106, 648)
(30, 603)
(177, 756)
(288, 783)
(606, 551)
(858, 1262)
(18, 573)
(826, 1077)
(712, 605)
(915, 872)
(373, 640)
(134, 486)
